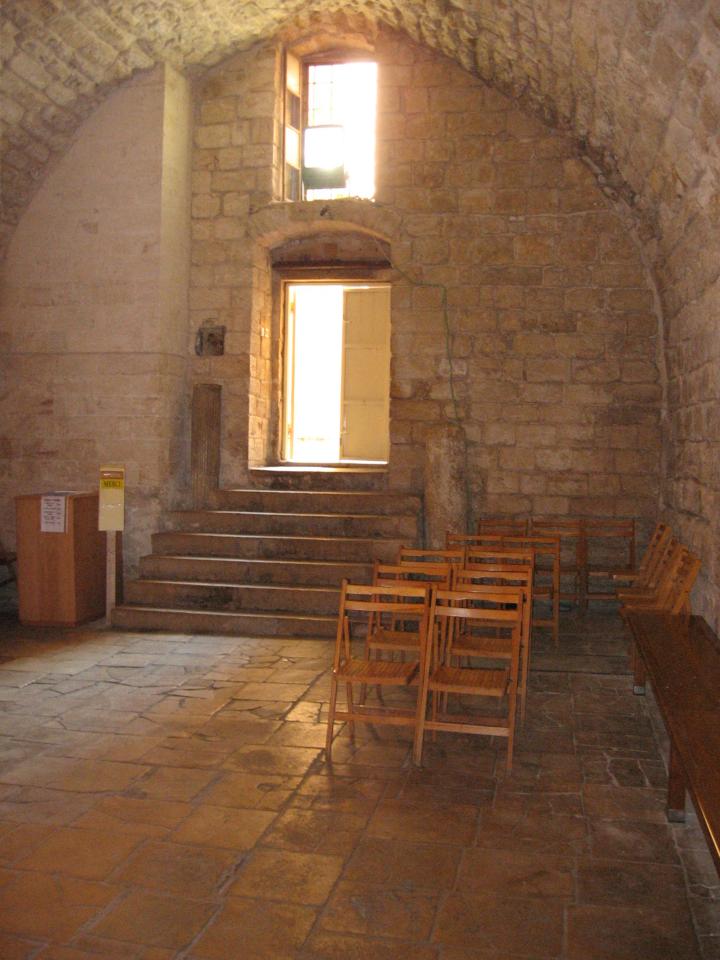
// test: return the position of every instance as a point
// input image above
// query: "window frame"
(326, 57)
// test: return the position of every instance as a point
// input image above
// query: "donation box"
(60, 559)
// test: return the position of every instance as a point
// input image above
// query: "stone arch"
(317, 234)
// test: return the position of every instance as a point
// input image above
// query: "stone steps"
(233, 597)
(253, 571)
(276, 547)
(318, 501)
(266, 562)
(365, 525)
(246, 624)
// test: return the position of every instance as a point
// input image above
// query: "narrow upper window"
(330, 113)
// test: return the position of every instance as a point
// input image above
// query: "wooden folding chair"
(651, 560)
(543, 547)
(672, 593)
(461, 541)
(573, 553)
(615, 541)
(452, 614)
(665, 555)
(506, 525)
(402, 636)
(504, 580)
(420, 555)
(369, 605)
(499, 555)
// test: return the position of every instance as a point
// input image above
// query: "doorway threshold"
(346, 466)
(321, 476)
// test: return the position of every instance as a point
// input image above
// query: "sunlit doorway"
(337, 373)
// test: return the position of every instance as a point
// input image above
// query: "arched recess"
(347, 239)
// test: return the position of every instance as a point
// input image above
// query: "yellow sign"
(112, 498)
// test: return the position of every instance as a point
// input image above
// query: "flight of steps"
(265, 562)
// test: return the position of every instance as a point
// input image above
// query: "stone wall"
(94, 316)
(235, 171)
(521, 307)
(691, 469)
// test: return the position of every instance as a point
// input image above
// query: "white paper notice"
(52, 513)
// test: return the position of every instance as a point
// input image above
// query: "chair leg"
(331, 719)
(349, 695)
(525, 676)
(512, 704)
(419, 727)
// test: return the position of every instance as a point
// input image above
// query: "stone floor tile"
(398, 863)
(291, 877)
(629, 883)
(154, 920)
(709, 947)
(137, 817)
(629, 933)
(182, 871)
(16, 948)
(631, 840)
(340, 793)
(91, 948)
(306, 649)
(295, 761)
(174, 783)
(229, 728)
(308, 712)
(544, 832)
(515, 873)
(38, 805)
(272, 691)
(252, 791)
(316, 831)
(295, 734)
(78, 776)
(92, 854)
(612, 802)
(16, 839)
(379, 909)
(706, 915)
(542, 772)
(256, 930)
(190, 751)
(525, 927)
(51, 907)
(580, 806)
(110, 746)
(429, 823)
(225, 827)
(324, 945)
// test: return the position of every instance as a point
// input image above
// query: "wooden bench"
(680, 655)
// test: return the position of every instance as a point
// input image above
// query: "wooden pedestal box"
(61, 576)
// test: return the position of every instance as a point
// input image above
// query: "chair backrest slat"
(503, 525)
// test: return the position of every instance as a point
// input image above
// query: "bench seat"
(680, 655)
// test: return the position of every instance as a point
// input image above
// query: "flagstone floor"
(165, 796)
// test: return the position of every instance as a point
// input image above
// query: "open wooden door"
(366, 374)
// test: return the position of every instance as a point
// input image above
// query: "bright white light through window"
(345, 94)
(317, 346)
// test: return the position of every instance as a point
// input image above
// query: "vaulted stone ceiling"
(636, 81)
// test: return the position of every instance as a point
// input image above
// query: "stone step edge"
(278, 536)
(300, 587)
(295, 515)
(365, 565)
(278, 491)
(233, 614)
